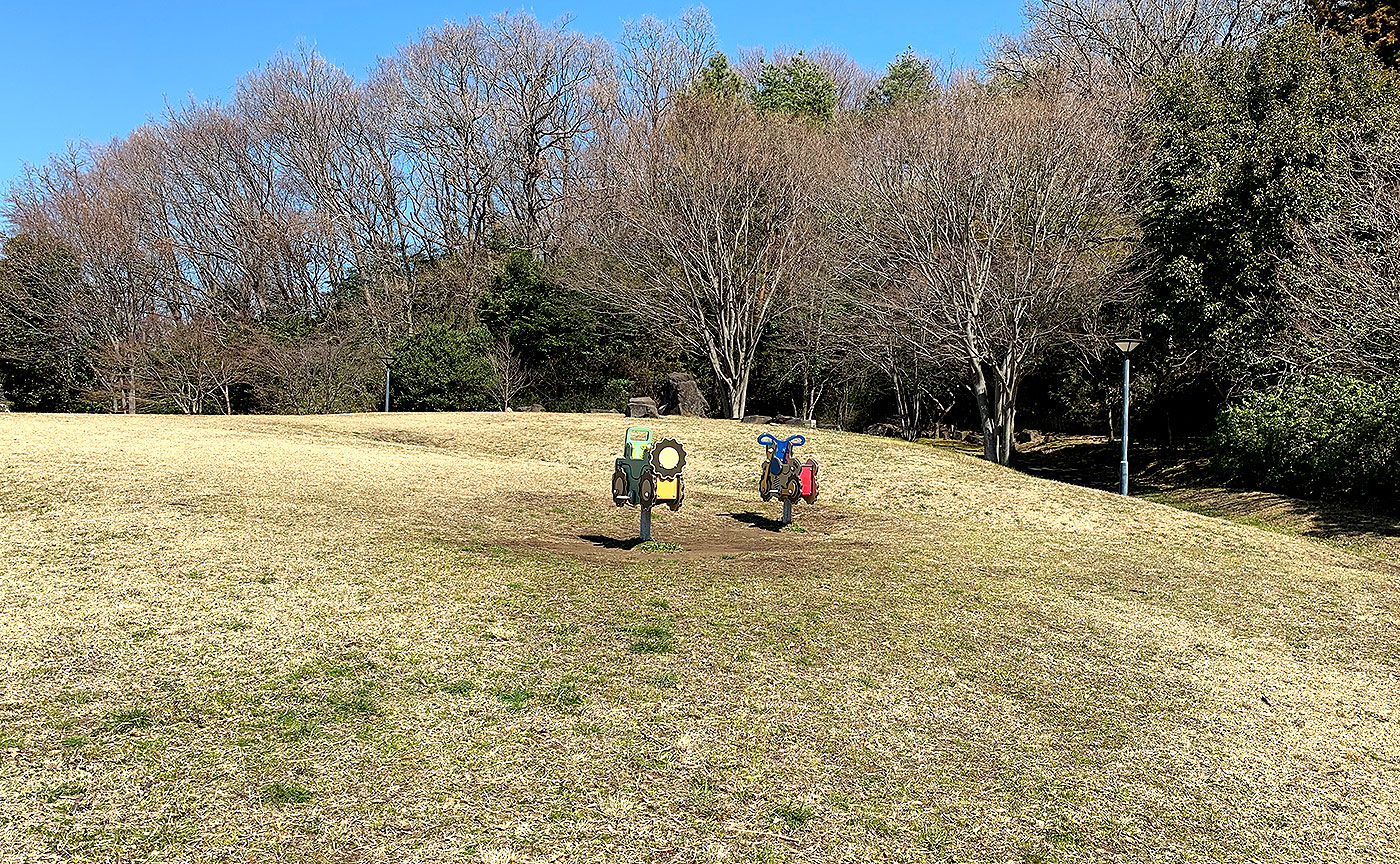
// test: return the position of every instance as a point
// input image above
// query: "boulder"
(642, 406)
(794, 421)
(681, 395)
(884, 430)
(603, 411)
(1030, 438)
(531, 408)
(760, 419)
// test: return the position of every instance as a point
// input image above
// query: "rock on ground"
(681, 395)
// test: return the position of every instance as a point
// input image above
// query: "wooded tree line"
(509, 211)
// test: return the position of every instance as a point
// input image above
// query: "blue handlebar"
(780, 447)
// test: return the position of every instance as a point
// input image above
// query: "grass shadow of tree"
(1182, 477)
(757, 520)
(611, 542)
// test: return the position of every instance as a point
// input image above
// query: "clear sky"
(75, 70)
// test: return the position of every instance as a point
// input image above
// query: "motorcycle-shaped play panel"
(784, 476)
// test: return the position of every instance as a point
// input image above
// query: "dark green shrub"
(442, 368)
(1321, 437)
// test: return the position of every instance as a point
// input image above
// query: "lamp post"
(388, 361)
(1126, 345)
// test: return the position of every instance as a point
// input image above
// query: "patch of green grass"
(62, 790)
(934, 839)
(461, 687)
(283, 793)
(129, 720)
(564, 695)
(515, 698)
(793, 816)
(358, 704)
(235, 626)
(666, 680)
(659, 603)
(295, 725)
(651, 639)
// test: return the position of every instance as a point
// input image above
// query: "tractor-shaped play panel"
(648, 473)
(784, 475)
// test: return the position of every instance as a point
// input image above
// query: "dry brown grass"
(415, 638)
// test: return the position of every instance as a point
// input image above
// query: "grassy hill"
(425, 637)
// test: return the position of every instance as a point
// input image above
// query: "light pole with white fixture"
(1126, 345)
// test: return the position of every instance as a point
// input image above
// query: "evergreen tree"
(1250, 144)
(717, 78)
(797, 88)
(908, 81)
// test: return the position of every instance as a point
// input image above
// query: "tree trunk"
(909, 407)
(996, 407)
(741, 396)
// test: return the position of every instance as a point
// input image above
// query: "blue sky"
(73, 70)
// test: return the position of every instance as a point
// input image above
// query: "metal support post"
(646, 524)
(1123, 464)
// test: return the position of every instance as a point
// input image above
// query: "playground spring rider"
(648, 473)
(784, 476)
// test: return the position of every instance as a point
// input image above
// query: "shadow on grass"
(1182, 477)
(757, 520)
(611, 542)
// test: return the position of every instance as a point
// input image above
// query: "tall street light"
(388, 361)
(1126, 345)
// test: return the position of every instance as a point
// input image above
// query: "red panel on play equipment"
(806, 478)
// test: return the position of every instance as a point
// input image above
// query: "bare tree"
(102, 205)
(659, 60)
(193, 363)
(337, 160)
(1123, 44)
(438, 90)
(245, 254)
(544, 82)
(889, 340)
(816, 332)
(990, 225)
(325, 371)
(703, 224)
(510, 375)
(813, 339)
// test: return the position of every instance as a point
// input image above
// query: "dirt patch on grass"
(590, 527)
